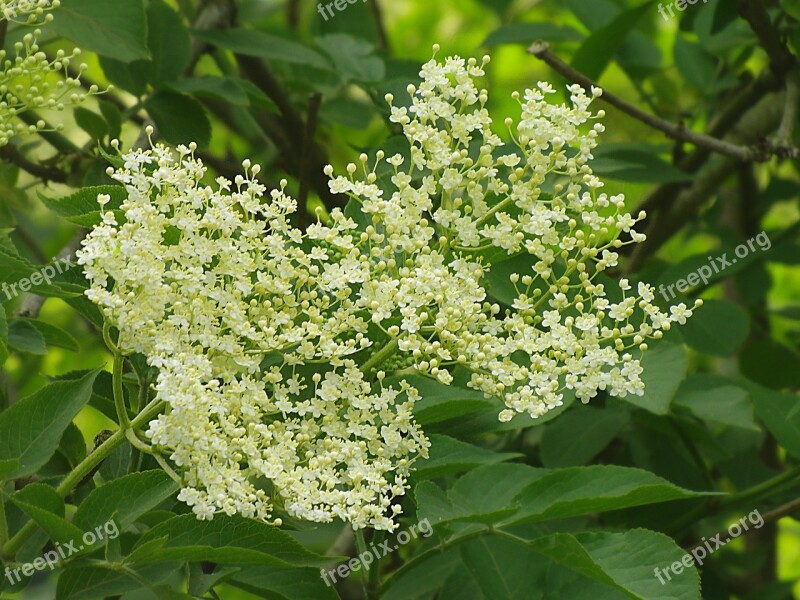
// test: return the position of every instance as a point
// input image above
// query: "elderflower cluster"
(272, 343)
(31, 10)
(460, 196)
(255, 338)
(32, 81)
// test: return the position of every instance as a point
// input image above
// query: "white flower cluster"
(254, 337)
(269, 340)
(31, 81)
(31, 10)
(458, 195)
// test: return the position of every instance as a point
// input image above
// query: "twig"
(10, 153)
(314, 102)
(541, 50)
(377, 15)
(784, 138)
(755, 13)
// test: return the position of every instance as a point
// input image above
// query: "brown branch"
(780, 57)
(14, 156)
(541, 50)
(377, 15)
(314, 103)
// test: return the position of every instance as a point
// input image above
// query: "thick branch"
(13, 155)
(541, 50)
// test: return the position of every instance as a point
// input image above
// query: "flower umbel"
(271, 343)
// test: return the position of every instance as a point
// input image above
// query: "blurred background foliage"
(279, 83)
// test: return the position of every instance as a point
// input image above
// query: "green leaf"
(169, 43)
(125, 499)
(82, 208)
(780, 412)
(84, 582)
(263, 45)
(718, 327)
(599, 49)
(440, 402)
(31, 429)
(522, 494)
(560, 446)
(227, 89)
(287, 582)
(635, 162)
(504, 569)
(697, 66)
(792, 8)
(113, 117)
(90, 122)
(664, 367)
(46, 508)
(353, 58)
(223, 540)
(24, 337)
(717, 400)
(54, 336)
(627, 561)
(771, 364)
(180, 119)
(562, 493)
(527, 33)
(449, 456)
(113, 28)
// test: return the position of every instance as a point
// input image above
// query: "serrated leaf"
(82, 208)
(46, 508)
(24, 337)
(287, 582)
(523, 494)
(31, 429)
(225, 540)
(125, 499)
(626, 561)
(227, 89)
(54, 336)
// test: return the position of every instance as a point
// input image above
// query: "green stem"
(380, 356)
(751, 495)
(3, 520)
(762, 490)
(71, 481)
(361, 546)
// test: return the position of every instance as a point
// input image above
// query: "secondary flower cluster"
(32, 81)
(29, 80)
(31, 10)
(270, 342)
